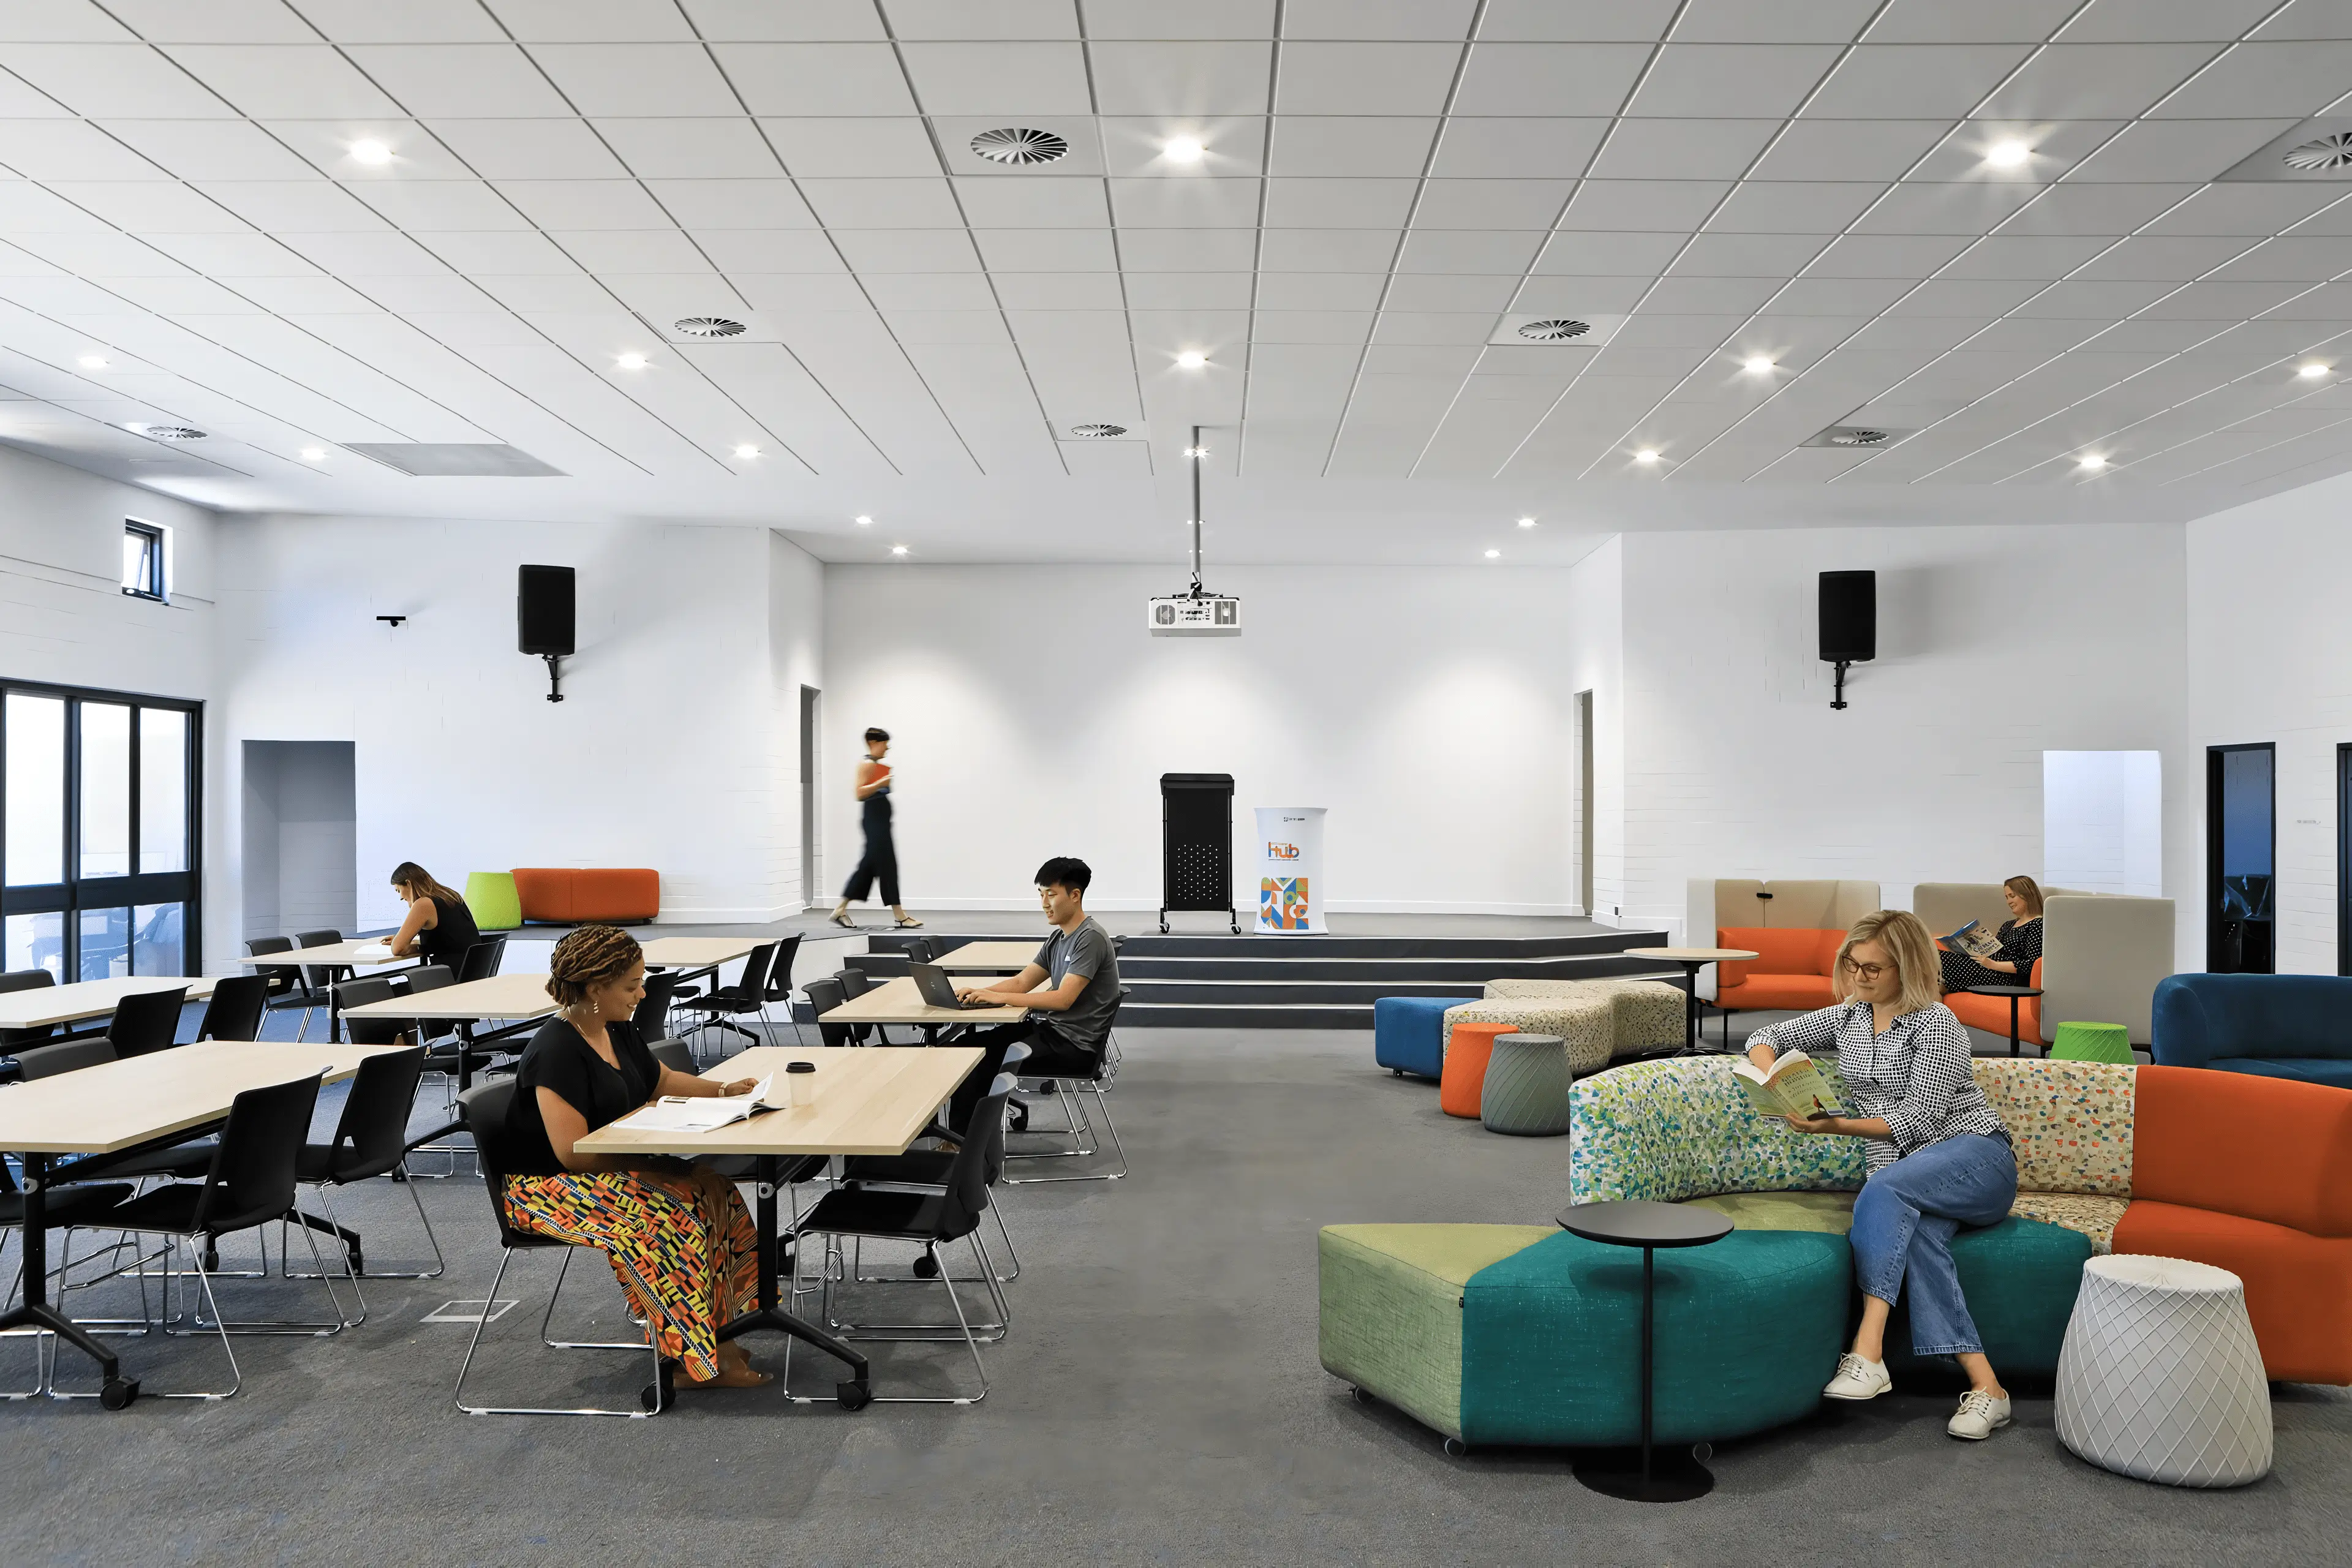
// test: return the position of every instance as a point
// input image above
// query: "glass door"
(98, 813)
(2240, 850)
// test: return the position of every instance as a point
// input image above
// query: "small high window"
(142, 560)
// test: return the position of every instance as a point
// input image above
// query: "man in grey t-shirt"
(1068, 1021)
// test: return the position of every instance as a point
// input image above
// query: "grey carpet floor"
(1157, 1401)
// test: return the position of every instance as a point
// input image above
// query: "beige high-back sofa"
(1719, 902)
(2102, 954)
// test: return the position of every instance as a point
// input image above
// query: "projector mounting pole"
(1198, 455)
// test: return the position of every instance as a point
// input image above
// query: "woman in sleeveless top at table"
(881, 859)
(438, 928)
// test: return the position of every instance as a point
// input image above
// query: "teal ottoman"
(1518, 1335)
(1408, 1034)
(2019, 1278)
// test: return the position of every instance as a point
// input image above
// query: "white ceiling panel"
(855, 80)
(1348, 145)
(2097, 82)
(1052, 203)
(732, 203)
(1515, 148)
(1046, 250)
(1917, 207)
(1885, 256)
(2255, 78)
(1337, 204)
(842, 148)
(286, 81)
(823, 21)
(1452, 292)
(433, 80)
(1683, 149)
(103, 81)
(622, 21)
(1772, 256)
(1468, 250)
(1617, 253)
(1645, 205)
(1704, 81)
(626, 250)
(1542, 79)
(100, 254)
(1188, 290)
(143, 205)
(910, 249)
(68, 149)
(2177, 257)
(1491, 204)
(1633, 21)
(1909, 81)
(1189, 203)
(307, 207)
(2312, 259)
(1883, 150)
(231, 255)
(530, 149)
(2071, 209)
(771, 251)
(2250, 210)
(1319, 291)
(1353, 78)
(1838, 296)
(883, 203)
(1581, 296)
(2160, 150)
(999, 77)
(1794, 206)
(619, 81)
(1073, 291)
(583, 203)
(1327, 250)
(1311, 326)
(1230, 77)
(2046, 256)
(1003, 19)
(210, 149)
(691, 149)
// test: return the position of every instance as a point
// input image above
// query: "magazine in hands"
(1792, 1086)
(676, 1113)
(1974, 941)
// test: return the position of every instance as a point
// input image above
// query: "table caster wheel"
(852, 1396)
(117, 1393)
(1359, 1395)
(1020, 1119)
(1702, 1452)
(926, 1266)
(1455, 1447)
(662, 1393)
(359, 1264)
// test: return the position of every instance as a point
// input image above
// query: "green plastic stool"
(2092, 1043)
(492, 899)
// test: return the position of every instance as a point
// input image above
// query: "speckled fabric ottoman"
(1644, 1015)
(1586, 1025)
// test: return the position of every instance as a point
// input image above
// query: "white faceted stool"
(2160, 1378)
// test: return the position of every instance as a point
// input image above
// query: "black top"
(558, 1059)
(452, 932)
(1636, 1223)
(2021, 944)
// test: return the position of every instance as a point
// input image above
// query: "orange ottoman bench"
(1463, 1080)
(570, 895)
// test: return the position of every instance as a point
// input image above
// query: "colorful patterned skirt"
(687, 1239)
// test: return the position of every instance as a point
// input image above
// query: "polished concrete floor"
(1157, 1401)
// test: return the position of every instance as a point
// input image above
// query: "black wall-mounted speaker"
(544, 601)
(1849, 616)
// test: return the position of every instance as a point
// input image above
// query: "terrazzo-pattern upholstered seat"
(1585, 1024)
(1644, 1015)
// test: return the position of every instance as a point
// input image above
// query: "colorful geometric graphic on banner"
(1281, 903)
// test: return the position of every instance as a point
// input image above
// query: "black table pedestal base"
(1673, 1475)
(855, 1391)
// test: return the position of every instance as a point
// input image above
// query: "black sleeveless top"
(451, 933)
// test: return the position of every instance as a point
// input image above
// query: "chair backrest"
(282, 977)
(317, 976)
(823, 996)
(779, 973)
(482, 959)
(47, 1061)
(872, 966)
(25, 980)
(966, 1198)
(484, 1109)
(145, 1021)
(852, 982)
(426, 977)
(359, 994)
(252, 1175)
(921, 949)
(751, 985)
(652, 1016)
(372, 1132)
(673, 1055)
(236, 1009)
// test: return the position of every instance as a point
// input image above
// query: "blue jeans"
(1903, 1221)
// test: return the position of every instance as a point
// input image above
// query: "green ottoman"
(1528, 1334)
(491, 896)
(2020, 1278)
(1525, 1092)
(2092, 1043)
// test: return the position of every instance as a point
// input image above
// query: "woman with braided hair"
(680, 1228)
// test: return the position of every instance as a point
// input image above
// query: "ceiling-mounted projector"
(1196, 612)
(1183, 616)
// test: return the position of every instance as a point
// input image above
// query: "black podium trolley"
(1196, 844)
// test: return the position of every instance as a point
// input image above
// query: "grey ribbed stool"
(1525, 1092)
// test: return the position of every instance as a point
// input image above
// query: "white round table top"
(1692, 954)
(2153, 1273)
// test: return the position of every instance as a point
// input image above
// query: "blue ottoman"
(1408, 1034)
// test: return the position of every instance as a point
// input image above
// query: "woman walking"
(881, 857)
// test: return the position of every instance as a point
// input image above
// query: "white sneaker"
(1980, 1414)
(1858, 1379)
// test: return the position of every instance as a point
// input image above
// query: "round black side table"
(1676, 1477)
(2016, 995)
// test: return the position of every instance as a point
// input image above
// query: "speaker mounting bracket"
(555, 678)
(1839, 700)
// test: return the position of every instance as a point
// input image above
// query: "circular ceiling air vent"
(2317, 157)
(1555, 330)
(171, 432)
(708, 327)
(1014, 145)
(1097, 432)
(1858, 437)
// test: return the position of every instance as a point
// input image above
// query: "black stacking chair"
(146, 1021)
(929, 1219)
(877, 966)
(371, 1140)
(250, 1183)
(484, 1109)
(289, 985)
(855, 982)
(319, 976)
(929, 1168)
(236, 1009)
(823, 996)
(652, 1016)
(26, 980)
(780, 982)
(723, 1004)
(68, 1056)
(921, 949)
(482, 959)
(1077, 1124)
(361, 993)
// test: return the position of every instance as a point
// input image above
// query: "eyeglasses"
(1863, 970)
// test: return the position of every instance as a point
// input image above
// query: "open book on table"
(373, 952)
(1974, 941)
(1792, 1086)
(677, 1113)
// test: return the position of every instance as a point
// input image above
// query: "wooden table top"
(869, 1101)
(48, 1004)
(1692, 954)
(991, 957)
(698, 952)
(499, 997)
(896, 1000)
(114, 1105)
(331, 954)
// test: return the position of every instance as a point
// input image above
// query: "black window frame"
(78, 894)
(158, 586)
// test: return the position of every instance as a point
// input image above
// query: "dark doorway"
(2344, 860)
(808, 797)
(2241, 852)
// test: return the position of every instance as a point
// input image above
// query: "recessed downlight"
(1554, 329)
(1191, 359)
(1493, 555)
(1756, 365)
(1097, 432)
(1183, 149)
(2320, 155)
(707, 327)
(92, 361)
(169, 432)
(371, 151)
(864, 523)
(2090, 462)
(1020, 146)
(2009, 154)
(898, 549)
(747, 451)
(314, 454)
(1646, 455)
(630, 361)
(2310, 372)
(1526, 523)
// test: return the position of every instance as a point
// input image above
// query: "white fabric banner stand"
(1290, 869)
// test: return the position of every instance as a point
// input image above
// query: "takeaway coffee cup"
(799, 1084)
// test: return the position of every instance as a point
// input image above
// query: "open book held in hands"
(1974, 941)
(1792, 1087)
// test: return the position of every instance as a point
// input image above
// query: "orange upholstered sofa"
(569, 895)
(1790, 969)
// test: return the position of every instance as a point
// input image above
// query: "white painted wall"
(2103, 822)
(796, 658)
(2269, 659)
(1032, 715)
(1994, 644)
